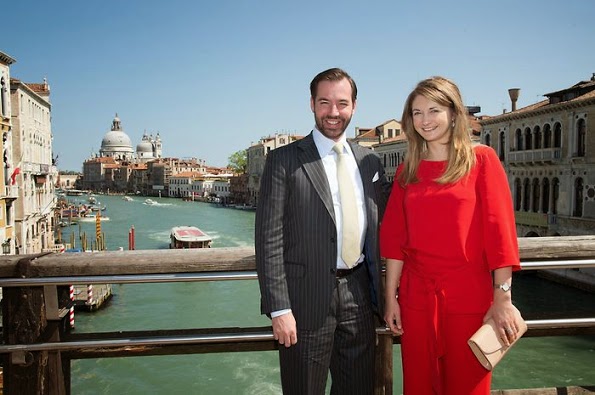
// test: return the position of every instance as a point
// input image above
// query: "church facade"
(113, 167)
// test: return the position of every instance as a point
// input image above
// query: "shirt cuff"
(278, 313)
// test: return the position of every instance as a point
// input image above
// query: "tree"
(238, 161)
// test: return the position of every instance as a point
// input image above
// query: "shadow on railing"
(38, 345)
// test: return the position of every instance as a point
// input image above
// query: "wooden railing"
(38, 346)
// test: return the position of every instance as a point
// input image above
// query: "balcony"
(531, 218)
(537, 156)
(11, 192)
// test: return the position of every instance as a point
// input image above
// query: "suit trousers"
(345, 344)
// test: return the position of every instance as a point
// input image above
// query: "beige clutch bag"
(487, 345)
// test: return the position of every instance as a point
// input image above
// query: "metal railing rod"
(561, 323)
(218, 276)
(558, 264)
(128, 279)
(229, 338)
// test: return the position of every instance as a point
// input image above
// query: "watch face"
(505, 287)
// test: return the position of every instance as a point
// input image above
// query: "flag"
(13, 177)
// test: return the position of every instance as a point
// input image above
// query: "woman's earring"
(453, 123)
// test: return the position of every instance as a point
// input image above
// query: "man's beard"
(331, 133)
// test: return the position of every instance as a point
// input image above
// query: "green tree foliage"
(238, 161)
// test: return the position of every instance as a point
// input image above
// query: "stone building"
(368, 137)
(256, 158)
(9, 190)
(548, 151)
(32, 153)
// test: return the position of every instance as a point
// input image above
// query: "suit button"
(332, 239)
(333, 271)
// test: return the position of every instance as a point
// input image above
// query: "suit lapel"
(313, 167)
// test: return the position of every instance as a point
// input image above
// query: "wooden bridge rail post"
(30, 315)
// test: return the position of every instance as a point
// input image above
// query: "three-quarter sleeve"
(493, 192)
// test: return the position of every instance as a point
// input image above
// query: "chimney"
(514, 95)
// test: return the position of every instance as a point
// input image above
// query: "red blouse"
(446, 228)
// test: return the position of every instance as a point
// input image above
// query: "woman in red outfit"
(451, 246)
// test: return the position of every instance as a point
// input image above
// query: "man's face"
(333, 107)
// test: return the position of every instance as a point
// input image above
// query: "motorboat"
(150, 202)
(93, 218)
(188, 237)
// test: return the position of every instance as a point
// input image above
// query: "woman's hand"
(504, 315)
(392, 315)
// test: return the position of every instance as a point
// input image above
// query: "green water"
(533, 363)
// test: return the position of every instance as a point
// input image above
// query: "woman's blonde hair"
(461, 157)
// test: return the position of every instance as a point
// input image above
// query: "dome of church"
(145, 146)
(116, 140)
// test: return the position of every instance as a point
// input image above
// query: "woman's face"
(431, 120)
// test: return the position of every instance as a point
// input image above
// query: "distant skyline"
(214, 77)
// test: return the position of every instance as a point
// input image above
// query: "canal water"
(532, 363)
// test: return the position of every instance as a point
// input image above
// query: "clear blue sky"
(214, 76)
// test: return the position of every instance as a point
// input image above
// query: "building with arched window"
(548, 151)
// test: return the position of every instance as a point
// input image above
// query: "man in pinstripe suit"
(322, 311)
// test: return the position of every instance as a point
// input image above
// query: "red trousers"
(436, 357)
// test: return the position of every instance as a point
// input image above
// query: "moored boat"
(188, 237)
(92, 218)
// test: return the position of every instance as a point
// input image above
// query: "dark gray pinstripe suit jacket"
(295, 233)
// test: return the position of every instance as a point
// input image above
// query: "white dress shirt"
(329, 157)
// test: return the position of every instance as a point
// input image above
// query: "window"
(537, 137)
(519, 140)
(557, 135)
(555, 195)
(526, 194)
(501, 146)
(545, 196)
(488, 142)
(535, 202)
(547, 136)
(3, 98)
(518, 190)
(581, 131)
(528, 139)
(578, 197)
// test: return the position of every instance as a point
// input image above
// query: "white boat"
(188, 237)
(92, 218)
(150, 202)
(127, 198)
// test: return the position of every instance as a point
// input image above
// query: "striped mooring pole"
(90, 294)
(72, 306)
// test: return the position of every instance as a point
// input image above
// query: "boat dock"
(91, 297)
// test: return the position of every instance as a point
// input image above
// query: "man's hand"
(284, 329)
